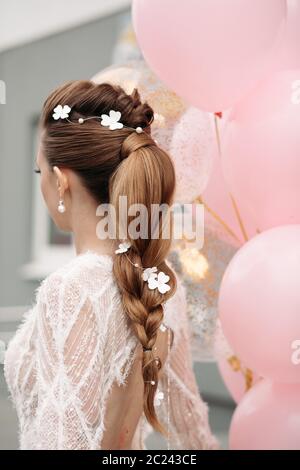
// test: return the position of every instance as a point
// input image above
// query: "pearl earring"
(61, 206)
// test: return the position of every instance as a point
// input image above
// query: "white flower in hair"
(159, 282)
(159, 396)
(111, 121)
(61, 112)
(149, 272)
(123, 247)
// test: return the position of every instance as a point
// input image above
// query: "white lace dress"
(74, 344)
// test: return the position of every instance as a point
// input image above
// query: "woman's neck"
(84, 228)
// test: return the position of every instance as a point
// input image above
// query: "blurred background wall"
(30, 71)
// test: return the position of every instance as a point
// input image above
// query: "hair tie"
(131, 144)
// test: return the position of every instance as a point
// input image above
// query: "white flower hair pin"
(148, 273)
(111, 120)
(61, 112)
(159, 281)
(154, 279)
(123, 247)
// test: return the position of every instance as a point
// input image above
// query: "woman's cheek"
(47, 192)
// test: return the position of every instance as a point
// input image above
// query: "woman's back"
(74, 367)
(125, 404)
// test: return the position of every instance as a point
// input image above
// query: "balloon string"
(247, 373)
(226, 227)
(240, 220)
(217, 134)
(233, 201)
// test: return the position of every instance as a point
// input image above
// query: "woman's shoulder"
(85, 272)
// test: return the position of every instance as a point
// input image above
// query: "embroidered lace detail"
(73, 345)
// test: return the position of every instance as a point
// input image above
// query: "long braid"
(146, 177)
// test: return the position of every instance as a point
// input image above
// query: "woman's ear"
(61, 180)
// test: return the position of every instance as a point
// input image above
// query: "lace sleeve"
(182, 410)
(68, 368)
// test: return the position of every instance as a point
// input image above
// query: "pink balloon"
(261, 151)
(267, 418)
(235, 380)
(259, 303)
(209, 52)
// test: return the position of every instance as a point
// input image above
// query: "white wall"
(22, 21)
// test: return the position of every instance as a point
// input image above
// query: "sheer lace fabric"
(73, 354)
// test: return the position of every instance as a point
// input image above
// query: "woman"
(103, 357)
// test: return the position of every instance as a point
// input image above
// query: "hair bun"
(134, 112)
